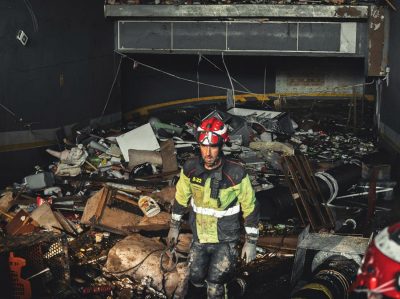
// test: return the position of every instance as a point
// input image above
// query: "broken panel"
(319, 37)
(262, 36)
(144, 35)
(199, 35)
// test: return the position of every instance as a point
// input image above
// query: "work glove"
(249, 249)
(173, 233)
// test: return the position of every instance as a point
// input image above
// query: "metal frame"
(325, 245)
(227, 50)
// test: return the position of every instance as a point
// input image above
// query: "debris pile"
(322, 147)
(106, 201)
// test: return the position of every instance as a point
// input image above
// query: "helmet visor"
(209, 138)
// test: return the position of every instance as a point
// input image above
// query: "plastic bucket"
(148, 206)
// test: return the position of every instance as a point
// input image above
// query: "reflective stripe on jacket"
(216, 220)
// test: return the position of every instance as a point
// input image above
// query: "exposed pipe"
(331, 280)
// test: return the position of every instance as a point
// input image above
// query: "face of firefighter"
(210, 155)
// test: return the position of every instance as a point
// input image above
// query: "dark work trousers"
(213, 264)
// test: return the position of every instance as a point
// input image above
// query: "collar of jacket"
(200, 169)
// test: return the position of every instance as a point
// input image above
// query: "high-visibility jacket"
(214, 218)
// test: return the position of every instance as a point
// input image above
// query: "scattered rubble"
(140, 257)
(106, 199)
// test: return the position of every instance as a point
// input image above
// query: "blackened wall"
(143, 86)
(390, 111)
(64, 73)
(62, 76)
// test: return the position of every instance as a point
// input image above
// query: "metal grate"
(40, 251)
(56, 258)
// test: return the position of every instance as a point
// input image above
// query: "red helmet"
(212, 131)
(380, 271)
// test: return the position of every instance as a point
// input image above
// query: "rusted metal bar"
(306, 193)
(293, 189)
(306, 176)
(328, 211)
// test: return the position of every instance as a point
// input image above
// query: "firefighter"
(379, 275)
(215, 189)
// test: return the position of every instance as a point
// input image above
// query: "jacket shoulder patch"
(197, 181)
(190, 166)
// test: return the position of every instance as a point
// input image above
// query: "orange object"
(21, 287)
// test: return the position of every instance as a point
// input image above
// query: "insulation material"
(137, 157)
(130, 254)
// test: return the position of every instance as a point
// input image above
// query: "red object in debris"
(21, 287)
(380, 271)
(39, 201)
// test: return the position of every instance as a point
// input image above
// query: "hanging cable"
(33, 16)
(178, 77)
(237, 90)
(377, 118)
(265, 81)
(112, 86)
(198, 77)
(230, 80)
(233, 79)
